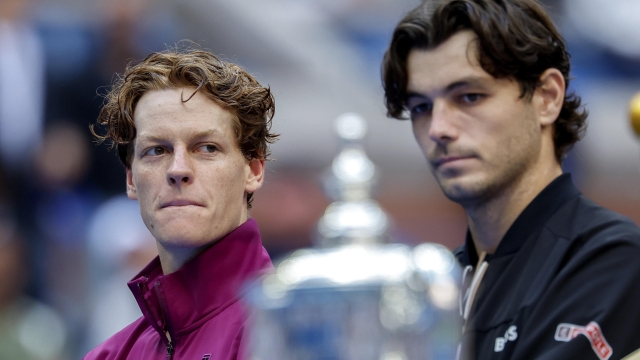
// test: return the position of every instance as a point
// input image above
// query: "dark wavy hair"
(516, 39)
(227, 84)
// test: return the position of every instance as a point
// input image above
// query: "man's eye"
(155, 151)
(208, 148)
(471, 98)
(421, 108)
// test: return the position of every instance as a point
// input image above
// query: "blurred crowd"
(60, 193)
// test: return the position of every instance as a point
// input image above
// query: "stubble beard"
(473, 194)
(496, 180)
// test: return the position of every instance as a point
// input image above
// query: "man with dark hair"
(192, 132)
(548, 274)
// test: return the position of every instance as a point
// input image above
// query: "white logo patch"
(566, 332)
(510, 335)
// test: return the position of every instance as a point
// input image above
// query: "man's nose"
(180, 170)
(442, 127)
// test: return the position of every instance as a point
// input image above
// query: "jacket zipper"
(170, 349)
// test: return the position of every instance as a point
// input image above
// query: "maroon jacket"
(198, 305)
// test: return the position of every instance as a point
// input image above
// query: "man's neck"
(490, 221)
(173, 260)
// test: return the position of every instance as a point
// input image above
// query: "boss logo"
(510, 335)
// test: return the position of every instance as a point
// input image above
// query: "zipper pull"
(169, 351)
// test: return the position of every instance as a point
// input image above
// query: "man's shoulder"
(119, 344)
(585, 276)
(592, 243)
(584, 221)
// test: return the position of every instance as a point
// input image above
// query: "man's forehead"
(151, 100)
(449, 65)
(174, 102)
(463, 44)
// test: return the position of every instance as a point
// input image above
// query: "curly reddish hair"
(228, 85)
(516, 39)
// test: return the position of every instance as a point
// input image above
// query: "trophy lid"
(353, 217)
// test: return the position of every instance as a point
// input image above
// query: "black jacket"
(564, 283)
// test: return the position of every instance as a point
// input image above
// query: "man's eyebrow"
(206, 133)
(197, 135)
(465, 82)
(413, 94)
(148, 137)
(469, 81)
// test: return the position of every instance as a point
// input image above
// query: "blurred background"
(69, 239)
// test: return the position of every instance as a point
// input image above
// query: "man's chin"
(184, 241)
(176, 235)
(461, 190)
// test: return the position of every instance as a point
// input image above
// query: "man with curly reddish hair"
(548, 274)
(192, 132)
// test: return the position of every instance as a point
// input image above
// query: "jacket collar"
(203, 287)
(534, 216)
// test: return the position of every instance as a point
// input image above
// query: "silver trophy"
(357, 296)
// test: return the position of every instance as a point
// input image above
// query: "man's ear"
(131, 188)
(255, 175)
(549, 96)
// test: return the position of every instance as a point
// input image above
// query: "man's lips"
(180, 202)
(448, 159)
